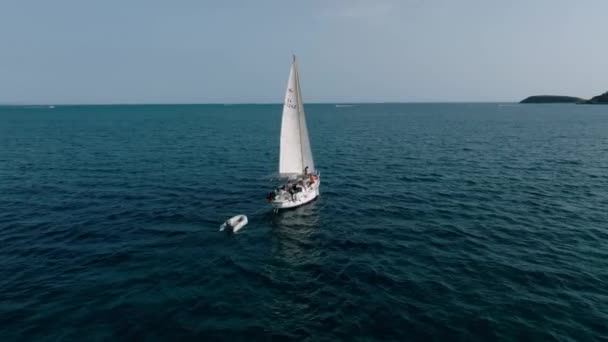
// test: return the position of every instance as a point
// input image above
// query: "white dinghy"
(296, 165)
(234, 224)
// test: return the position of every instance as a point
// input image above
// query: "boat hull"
(234, 224)
(299, 198)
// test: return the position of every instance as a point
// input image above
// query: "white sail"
(295, 146)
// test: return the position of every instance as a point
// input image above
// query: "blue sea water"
(474, 222)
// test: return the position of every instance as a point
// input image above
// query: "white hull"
(287, 201)
(235, 223)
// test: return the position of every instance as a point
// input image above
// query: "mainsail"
(295, 146)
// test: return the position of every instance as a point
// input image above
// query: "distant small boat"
(234, 224)
(296, 164)
(51, 107)
(344, 105)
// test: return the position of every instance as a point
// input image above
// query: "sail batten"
(295, 154)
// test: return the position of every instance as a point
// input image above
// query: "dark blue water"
(436, 221)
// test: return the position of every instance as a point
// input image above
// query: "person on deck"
(291, 190)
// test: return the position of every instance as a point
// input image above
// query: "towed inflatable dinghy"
(235, 223)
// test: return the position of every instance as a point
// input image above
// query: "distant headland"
(600, 99)
(551, 99)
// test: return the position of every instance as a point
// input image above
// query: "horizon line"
(8, 104)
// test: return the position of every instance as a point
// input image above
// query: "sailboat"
(296, 165)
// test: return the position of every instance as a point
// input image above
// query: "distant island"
(600, 99)
(551, 99)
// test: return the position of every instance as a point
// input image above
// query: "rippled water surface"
(435, 221)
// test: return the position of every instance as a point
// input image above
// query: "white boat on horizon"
(296, 165)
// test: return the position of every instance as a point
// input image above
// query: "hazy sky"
(196, 51)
